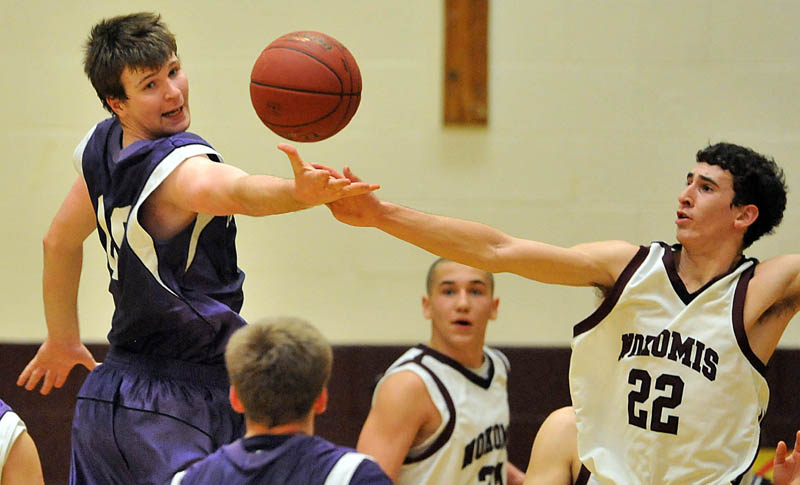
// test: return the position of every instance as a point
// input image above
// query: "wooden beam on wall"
(466, 57)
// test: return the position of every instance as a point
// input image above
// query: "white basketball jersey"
(470, 445)
(665, 386)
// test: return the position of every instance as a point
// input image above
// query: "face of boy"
(460, 305)
(157, 104)
(705, 212)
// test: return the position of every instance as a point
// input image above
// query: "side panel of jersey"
(665, 386)
(191, 282)
(470, 445)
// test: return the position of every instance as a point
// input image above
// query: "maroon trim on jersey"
(583, 476)
(447, 432)
(471, 376)
(613, 296)
(738, 321)
(677, 283)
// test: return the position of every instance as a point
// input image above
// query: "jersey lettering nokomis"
(665, 386)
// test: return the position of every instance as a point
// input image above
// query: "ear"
(321, 404)
(426, 307)
(116, 104)
(236, 403)
(747, 216)
(495, 304)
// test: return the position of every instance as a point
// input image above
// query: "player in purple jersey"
(279, 370)
(162, 204)
(19, 459)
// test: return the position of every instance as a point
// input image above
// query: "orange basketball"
(305, 86)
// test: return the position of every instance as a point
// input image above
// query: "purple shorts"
(140, 419)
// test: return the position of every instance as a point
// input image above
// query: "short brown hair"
(137, 41)
(435, 264)
(278, 367)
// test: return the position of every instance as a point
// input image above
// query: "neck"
(471, 356)
(305, 426)
(697, 267)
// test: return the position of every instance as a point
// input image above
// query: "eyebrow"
(703, 177)
(472, 282)
(153, 72)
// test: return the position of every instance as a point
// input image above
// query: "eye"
(150, 85)
(174, 71)
(448, 291)
(707, 188)
(476, 291)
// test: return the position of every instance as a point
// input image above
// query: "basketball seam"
(303, 90)
(332, 70)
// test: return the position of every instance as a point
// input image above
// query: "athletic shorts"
(140, 419)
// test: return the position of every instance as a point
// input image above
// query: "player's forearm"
(262, 195)
(60, 281)
(467, 242)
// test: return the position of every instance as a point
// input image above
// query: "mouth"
(682, 215)
(173, 113)
(462, 323)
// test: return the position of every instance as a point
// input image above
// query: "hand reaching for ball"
(317, 184)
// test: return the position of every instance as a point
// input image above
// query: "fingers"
(33, 378)
(350, 175)
(47, 384)
(797, 443)
(24, 375)
(330, 170)
(359, 188)
(294, 157)
(780, 453)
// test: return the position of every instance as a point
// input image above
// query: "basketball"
(305, 86)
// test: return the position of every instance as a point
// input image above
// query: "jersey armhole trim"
(613, 297)
(447, 432)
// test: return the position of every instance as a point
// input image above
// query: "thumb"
(294, 157)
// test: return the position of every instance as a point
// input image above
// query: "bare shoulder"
(773, 298)
(560, 425)
(778, 278)
(612, 256)
(402, 386)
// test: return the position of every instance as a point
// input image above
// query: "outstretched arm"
(199, 185)
(786, 470)
(482, 246)
(63, 259)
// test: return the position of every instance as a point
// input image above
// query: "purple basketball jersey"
(177, 298)
(285, 459)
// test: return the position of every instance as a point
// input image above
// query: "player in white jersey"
(733, 196)
(554, 456)
(440, 413)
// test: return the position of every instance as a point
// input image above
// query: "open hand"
(53, 363)
(317, 184)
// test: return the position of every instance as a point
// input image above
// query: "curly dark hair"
(757, 180)
(138, 41)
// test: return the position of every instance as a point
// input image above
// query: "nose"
(462, 303)
(173, 90)
(684, 198)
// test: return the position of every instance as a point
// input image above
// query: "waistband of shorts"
(157, 366)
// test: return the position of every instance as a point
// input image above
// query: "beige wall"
(597, 109)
